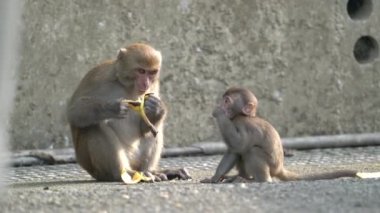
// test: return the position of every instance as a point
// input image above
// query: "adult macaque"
(254, 146)
(110, 138)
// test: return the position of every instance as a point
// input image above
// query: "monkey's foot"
(136, 178)
(229, 179)
(212, 181)
(165, 175)
(239, 179)
(232, 179)
(206, 180)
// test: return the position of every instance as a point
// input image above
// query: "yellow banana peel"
(136, 178)
(138, 106)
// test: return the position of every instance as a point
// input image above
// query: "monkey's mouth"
(143, 88)
(141, 92)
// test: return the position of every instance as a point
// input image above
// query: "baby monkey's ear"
(121, 53)
(249, 109)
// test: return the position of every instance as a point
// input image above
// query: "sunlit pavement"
(67, 188)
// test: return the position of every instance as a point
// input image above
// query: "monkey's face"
(144, 79)
(231, 105)
(239, 101)
(138, 66)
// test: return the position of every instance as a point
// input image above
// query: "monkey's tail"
(330, 175)
(286, 175)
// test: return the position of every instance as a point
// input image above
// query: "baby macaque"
(253, 145)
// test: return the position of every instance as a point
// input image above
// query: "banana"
(138, 106)
(136, 178)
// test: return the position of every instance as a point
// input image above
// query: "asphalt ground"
(68, 188)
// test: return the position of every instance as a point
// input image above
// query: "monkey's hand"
(211, 180)
(115, 109)
(154, 108)
(139, 107)
(206, 180)
(123, 108)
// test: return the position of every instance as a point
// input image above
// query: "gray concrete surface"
(67, 188)
(297, 56)
(10, 18)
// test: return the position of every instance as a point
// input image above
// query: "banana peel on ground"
(138, 106)
(135, 178)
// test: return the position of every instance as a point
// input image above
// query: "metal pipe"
(302, 143)
(332, 141)
(61, 156)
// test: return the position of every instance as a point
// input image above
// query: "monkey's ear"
(121, 53)
(249, 109)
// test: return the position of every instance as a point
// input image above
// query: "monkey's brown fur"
(254, 145)
(109, 137)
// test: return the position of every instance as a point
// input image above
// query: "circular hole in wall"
(359, 9)
(366, 49)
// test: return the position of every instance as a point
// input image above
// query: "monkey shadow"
(47, 184)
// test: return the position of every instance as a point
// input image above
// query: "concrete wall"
(297, 56)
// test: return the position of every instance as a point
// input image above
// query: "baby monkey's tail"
(287, 175)
(330, 175)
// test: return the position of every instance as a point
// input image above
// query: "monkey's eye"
(227, 100)
(153, 72)
(140, 71)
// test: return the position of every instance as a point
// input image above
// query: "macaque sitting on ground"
(112, 142)
(253, 145)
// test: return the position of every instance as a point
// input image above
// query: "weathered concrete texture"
(297, 56)
(68, 188)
